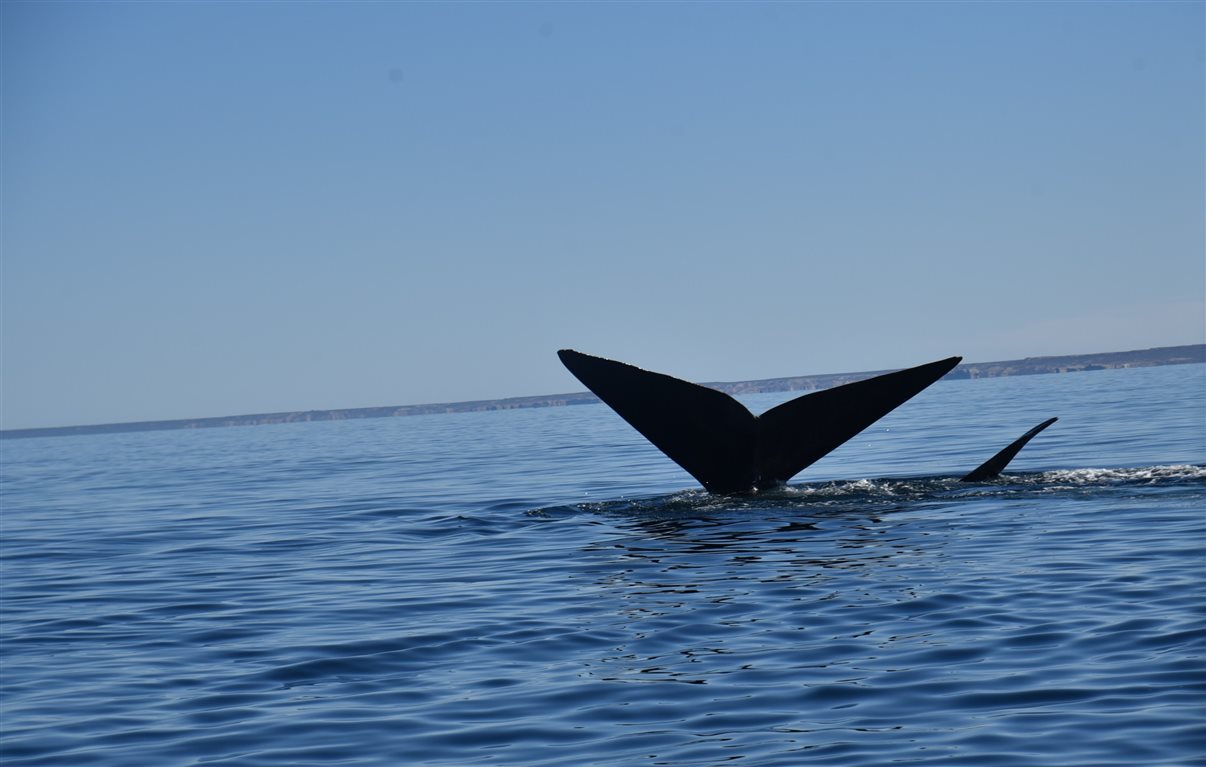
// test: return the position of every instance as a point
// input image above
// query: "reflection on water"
(708, 589)
(812, 586)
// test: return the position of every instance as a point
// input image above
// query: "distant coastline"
(1165, 355)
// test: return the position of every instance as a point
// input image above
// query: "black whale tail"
(727, 448)
(992, 468)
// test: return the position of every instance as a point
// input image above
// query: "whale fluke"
(727, 448)
(992, 468)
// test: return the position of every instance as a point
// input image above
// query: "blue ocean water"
(542, 587)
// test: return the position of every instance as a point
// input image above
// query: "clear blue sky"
(232, 207)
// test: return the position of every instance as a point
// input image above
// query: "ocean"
(543, 587)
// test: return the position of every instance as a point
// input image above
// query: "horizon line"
(1197, 354)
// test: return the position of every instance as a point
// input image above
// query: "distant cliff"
(1166, 355)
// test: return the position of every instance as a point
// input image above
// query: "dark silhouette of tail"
(727, 448)
(992, 468)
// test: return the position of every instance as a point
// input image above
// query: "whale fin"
(724, 446)
(992, 468)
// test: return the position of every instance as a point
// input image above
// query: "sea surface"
(542, 587)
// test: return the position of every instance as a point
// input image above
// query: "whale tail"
(726, 447)
(992, 468)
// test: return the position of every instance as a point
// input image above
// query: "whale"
(724, 446)
(992, 468)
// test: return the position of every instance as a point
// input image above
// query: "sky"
(220, 208)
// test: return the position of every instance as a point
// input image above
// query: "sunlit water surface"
(542, 587)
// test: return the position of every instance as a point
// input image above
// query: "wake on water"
(900, 493)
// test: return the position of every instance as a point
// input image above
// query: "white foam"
(1138, 474)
